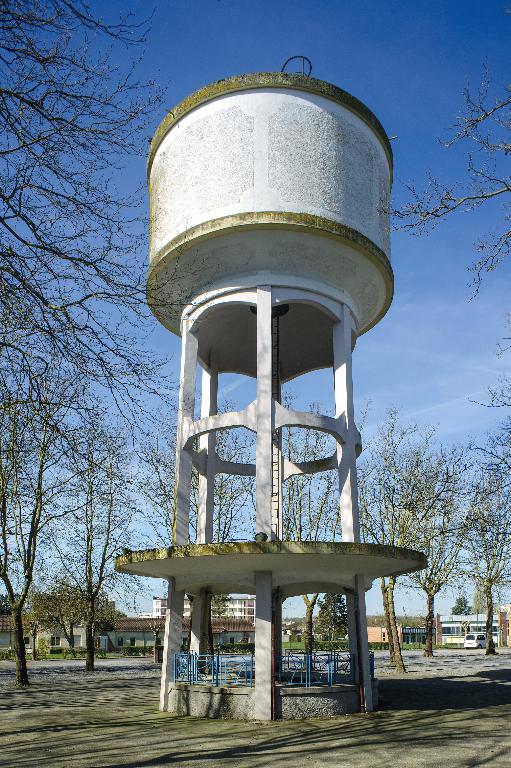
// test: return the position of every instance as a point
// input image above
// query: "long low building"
(129, 631)
(137, 632)
(453, 628)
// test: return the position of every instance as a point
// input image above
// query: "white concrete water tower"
(269, 254)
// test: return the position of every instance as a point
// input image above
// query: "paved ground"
(454, 710)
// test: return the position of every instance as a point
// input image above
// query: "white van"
(474, 641)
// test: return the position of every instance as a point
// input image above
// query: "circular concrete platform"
(291, 703)
(296, 567)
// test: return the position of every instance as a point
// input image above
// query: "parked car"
(474, 641)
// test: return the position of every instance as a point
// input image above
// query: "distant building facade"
(237, 607)
(406, 634)
(139, 632)
(453, 628)
(129, 632)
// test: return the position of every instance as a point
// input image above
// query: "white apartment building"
(452, 629)
(238, 607)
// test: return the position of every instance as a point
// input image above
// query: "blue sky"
(435, 352)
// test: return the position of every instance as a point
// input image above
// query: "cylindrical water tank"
(270, 178)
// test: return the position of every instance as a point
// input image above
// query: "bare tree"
(233, 494)
(483, 131)
(71, 274)
(489, 542)
(100, 520)
(400, 488)
(156, 479)
(441, 531)
(61, 606)
(310, 503)
(34, 439)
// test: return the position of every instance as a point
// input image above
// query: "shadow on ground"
(452, 720)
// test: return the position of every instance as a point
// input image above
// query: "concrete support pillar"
(199, 639)
(172, 640)
(265, 414)
(362, 647)
(343, 333)
(263, 646)
(277, 459)
(352, 629)
(207, 443)
(180, 533)
(277, 622)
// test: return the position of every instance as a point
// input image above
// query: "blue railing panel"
(214, 669)
(320, 668)
(306, 670)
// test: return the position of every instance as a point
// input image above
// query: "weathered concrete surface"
(235, 702)
(456, 711)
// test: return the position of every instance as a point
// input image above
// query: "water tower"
(269, 255)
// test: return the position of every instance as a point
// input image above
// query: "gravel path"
(452, 710)
(74, 669)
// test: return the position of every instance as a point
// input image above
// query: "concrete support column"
(172, 640)
(277, 622)
(343, 333)
(263, 646)
(265, 414)
(352, 630)
(180, 533)
(364, 667)
(277, 459)
(207, 443)
(199, 640)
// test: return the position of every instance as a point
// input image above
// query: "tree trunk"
(490, 645)
(398, 658)
(388, 627)
(308, 634)
(430, 620)
(210, 623)
(34, 641)
(89, 644)
(71, 638)
(19, 650)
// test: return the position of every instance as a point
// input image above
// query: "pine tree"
(461, 607)
(332, 621)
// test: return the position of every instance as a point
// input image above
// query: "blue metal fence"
(309, 669)
(216, 669)
(320, 668)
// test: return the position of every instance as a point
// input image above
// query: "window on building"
(26, 640)
(120, 641)
(231, 639)
(55, 640)
(132, 641)
(77, 640)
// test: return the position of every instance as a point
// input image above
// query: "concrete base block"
(292, 703)
(234, 703)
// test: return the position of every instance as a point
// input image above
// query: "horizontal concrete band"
(296, 567)
(170, 261)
